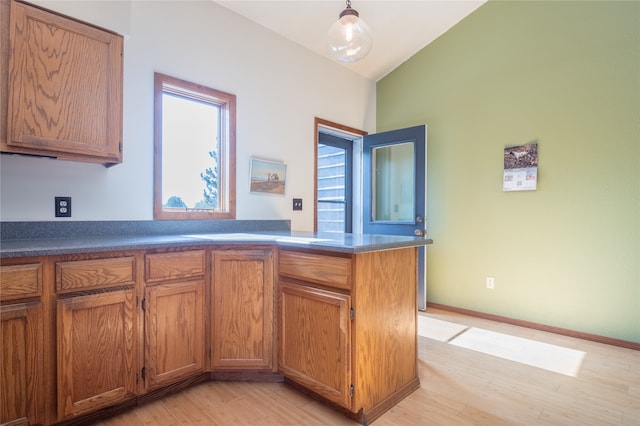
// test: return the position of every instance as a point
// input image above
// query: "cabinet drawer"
(95, 273)
(169, 266)
(19, 281)
(318, 268)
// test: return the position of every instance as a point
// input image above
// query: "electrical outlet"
(297, 204)
(63, 206)
(490, 282)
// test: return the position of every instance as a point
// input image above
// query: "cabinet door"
(315, 340)
(21, 364)
(242, 299)
(65, 87)
(95, 339)
(174, 329)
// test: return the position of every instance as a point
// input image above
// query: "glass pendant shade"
(349, 39)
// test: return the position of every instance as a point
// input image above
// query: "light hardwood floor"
(458, 387)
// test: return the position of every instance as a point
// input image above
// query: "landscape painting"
(268, 176)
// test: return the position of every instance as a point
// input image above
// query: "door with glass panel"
(394, 189)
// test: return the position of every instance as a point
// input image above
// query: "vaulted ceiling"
(399, 28)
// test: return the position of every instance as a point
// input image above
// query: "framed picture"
(268, 176)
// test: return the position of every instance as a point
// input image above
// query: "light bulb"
(349, 38)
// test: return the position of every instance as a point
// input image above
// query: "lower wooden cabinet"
(95, 332)
(242, 302)
(21, 364)
(348, 326)
(315, 340)
(87, 333)
(95, 345)
(174, 332)
(22, 347)
(174, 324)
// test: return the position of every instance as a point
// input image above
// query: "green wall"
(564, 74)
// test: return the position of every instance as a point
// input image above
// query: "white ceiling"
(399, 28)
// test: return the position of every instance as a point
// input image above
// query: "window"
(335, 158)
(194, 151)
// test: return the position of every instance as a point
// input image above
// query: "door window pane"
(393, 183)
(334, 186)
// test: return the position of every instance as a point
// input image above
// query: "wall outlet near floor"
(490, 282)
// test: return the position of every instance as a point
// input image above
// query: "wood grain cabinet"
(315, 340)
(348, 327)
(21, 351)
(242, 306)
(174, 307)
(95, 333)
(86, 334)
(62, 83)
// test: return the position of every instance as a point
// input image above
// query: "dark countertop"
(343, 243)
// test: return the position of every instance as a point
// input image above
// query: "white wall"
(280, 88)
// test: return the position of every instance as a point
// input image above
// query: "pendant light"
(349, 39)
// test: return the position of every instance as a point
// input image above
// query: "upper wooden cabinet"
(62, 90)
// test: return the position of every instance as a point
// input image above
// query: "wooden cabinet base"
(361, 416)
(135, 401)
(378, 410)
(247, 376)
(100, 414)
(171, 389)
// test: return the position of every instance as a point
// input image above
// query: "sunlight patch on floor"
(436, 329)
(525, 351)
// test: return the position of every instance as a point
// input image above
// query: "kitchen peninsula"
(108, 315)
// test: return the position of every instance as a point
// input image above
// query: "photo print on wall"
(520, 168)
